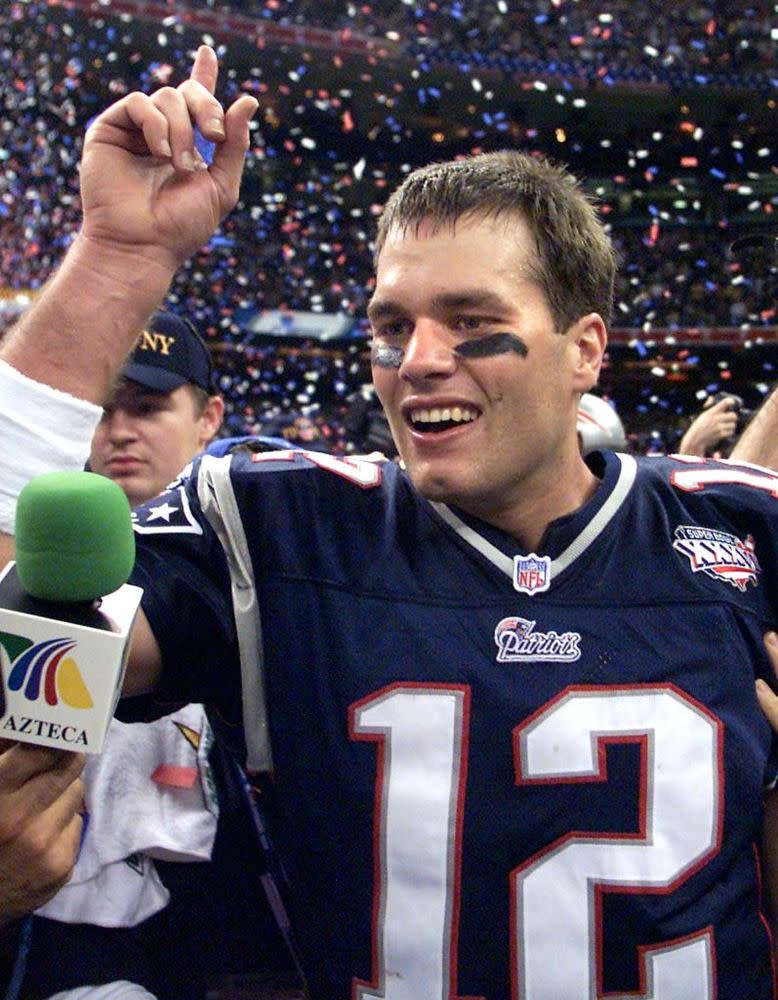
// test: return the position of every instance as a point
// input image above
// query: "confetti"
(340, 126)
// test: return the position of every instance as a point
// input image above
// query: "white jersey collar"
(574, 549)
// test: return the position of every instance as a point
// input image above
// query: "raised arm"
(149, 201)
(759, 441)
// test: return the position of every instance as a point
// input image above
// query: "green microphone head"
(73, 534)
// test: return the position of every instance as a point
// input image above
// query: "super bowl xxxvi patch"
(718, 554)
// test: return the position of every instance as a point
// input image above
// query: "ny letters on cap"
(170, 353)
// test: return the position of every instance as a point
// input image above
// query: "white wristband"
(41, 430)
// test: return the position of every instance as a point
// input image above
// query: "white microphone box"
(61, 665)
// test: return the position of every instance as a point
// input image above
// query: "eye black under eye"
(386, 356)
(491, 345)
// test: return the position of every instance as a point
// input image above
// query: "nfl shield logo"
(532, 573)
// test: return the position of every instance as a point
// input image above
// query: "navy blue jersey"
(495, 774)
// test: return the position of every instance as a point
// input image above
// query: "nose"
(429, 352)
(119, 426)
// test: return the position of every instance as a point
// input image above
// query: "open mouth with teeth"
(442, 418)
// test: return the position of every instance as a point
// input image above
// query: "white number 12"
(421, 733)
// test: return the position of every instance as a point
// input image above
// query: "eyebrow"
(443, 302)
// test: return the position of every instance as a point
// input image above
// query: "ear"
(211, 419)
(590, 338)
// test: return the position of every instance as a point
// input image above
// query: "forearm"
(691, 444)
(87, 318)
(42, 429)
(759, 441)
(74, 339)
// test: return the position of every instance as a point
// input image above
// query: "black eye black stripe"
(491, 344)
(388, 356)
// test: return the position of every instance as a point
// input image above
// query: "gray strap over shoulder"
(217, 499)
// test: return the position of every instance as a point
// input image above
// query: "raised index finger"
(204, 110)
(205, 69)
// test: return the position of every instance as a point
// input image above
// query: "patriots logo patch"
(168, 513)
(518, 642)
(718, 555)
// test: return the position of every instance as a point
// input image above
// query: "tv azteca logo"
(43, 670)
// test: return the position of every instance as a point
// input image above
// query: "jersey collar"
(570, 537)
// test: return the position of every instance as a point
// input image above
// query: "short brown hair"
(577, 260)
(199, 397)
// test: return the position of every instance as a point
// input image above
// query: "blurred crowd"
(620, 39)
(675, 190)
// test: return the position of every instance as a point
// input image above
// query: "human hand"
(759, 441)
(144, 188)
(713, 424)
(41, 795)
(768, 700)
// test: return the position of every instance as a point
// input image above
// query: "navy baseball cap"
(170, 353)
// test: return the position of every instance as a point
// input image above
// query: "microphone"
(73, 537)
(66, 611)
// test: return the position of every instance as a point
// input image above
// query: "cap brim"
(158, 379)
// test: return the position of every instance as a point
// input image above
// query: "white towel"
(150, 794)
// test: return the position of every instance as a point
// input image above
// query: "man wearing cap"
(162, 411)
(161, 414)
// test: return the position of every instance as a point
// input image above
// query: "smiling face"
(480, 390)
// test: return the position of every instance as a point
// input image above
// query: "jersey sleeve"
(742, 501)
(182, 569)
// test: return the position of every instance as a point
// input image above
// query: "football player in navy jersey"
(503, 696)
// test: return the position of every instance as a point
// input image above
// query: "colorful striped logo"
(43, 670)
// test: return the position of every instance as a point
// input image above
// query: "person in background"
(759, 441)
(162, 411)
(301, 431)
(714, 426)
(366, 426)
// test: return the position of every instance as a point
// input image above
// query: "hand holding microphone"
(41, 798)
(66, 611)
